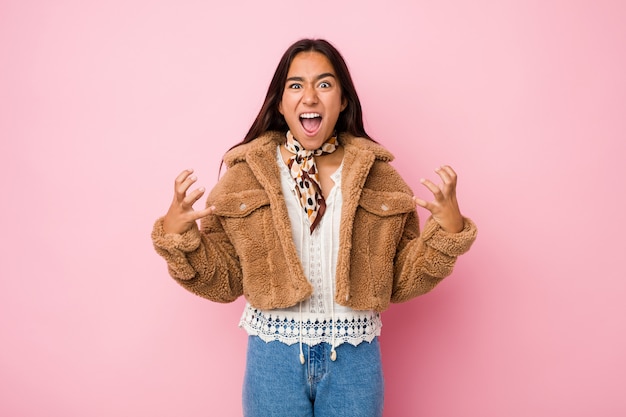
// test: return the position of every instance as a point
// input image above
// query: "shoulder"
(265, 143)
(240, 175)
(357, 144)
(381, 176)
(384, 177)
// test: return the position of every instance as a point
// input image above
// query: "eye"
(325, 84)
(294, 86)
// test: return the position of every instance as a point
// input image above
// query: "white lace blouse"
(318, 319)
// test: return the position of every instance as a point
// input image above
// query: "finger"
(450, 171)
(197, 215)
(433, 188)
(189, 181)
(443, 174)
(181, 184)
(422, 203)
(206, 212)
(194, 196)
(447, 174)
(185, 185)
(183, 176)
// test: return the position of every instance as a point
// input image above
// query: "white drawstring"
(301, 352)
(329, 263)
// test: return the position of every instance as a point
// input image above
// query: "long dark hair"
(269, 118)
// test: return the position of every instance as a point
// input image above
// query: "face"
(312, 99)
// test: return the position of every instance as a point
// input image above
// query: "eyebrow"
(319, 77)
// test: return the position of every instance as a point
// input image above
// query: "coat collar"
(271, 139)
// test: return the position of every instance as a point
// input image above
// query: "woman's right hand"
(181, 216)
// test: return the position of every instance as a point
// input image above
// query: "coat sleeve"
(202, 261)
(423, 260)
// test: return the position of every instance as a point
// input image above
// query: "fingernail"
(201, 189)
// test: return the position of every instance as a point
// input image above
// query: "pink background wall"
(103, 103)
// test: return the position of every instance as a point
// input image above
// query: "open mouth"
(311, 122)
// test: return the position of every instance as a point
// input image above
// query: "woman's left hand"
(445, 208)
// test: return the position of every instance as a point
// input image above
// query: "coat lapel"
(262, 161)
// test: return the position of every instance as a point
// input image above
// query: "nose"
(309, 96)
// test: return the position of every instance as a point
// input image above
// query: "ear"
(280, 107)
(344, 103)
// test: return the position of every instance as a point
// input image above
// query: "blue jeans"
(277, 385)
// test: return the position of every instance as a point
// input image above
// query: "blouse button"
(384, 207)
(242, 206)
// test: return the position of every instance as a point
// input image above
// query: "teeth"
(309, 115)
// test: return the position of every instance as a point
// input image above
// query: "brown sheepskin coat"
(246, 246)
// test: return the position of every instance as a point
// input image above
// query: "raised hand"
(181, 215)
(445, 208)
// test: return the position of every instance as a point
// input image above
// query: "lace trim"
(352, 328)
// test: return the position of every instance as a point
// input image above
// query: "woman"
(319, 233)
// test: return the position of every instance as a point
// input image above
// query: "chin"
(310, 145)
(316, 140)
(313, 142)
